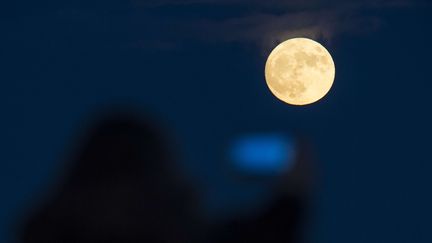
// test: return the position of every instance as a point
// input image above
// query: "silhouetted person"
(279, 223)
(282, 219)
(121, 187)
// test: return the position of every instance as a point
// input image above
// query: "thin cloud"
(266, 23)
(269, 22)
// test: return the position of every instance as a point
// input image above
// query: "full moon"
(300, 71)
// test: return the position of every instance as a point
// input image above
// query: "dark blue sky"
(199, 68)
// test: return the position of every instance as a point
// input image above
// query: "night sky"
(198, 67)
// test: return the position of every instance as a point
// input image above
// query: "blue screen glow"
(263, 154)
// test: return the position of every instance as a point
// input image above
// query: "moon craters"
(300, 71)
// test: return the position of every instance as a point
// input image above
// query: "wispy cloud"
(266, 23)
(259, 22)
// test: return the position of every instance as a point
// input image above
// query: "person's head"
(120, 145)
(121, 186)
